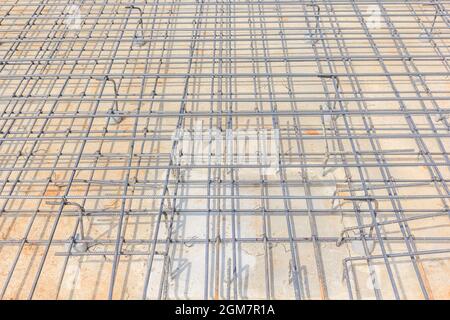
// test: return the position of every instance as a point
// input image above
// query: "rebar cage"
(276, 149)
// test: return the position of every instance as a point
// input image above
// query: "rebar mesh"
(101, 197)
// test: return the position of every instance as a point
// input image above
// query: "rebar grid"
(95, 205)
